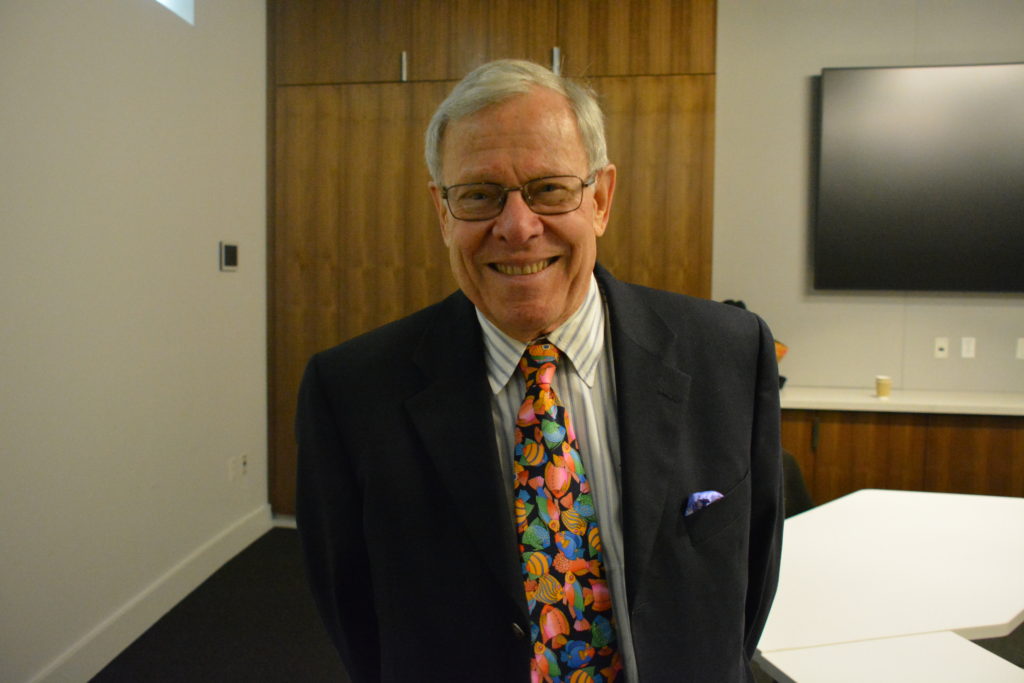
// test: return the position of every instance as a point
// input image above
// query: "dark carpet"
(1010, 648)
(253, 620)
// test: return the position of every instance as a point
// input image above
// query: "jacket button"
(518, 631)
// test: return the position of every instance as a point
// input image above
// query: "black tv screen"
(921, 179)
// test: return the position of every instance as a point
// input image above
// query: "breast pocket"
(731, 508)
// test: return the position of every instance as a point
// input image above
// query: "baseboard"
(285, 521)
(102, 644)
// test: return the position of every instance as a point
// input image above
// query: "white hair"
(503, 79)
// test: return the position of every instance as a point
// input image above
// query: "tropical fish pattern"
(573, 629)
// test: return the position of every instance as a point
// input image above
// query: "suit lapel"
(452, 415)
(651, 396)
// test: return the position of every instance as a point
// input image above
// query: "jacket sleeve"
(329, 520)
(767, 496)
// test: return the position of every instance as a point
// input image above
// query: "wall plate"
(228, 256)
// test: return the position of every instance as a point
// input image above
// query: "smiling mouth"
(527, 269)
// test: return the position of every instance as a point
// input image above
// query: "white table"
(932, 658)
(886, 564)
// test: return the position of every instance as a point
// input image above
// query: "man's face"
(525, 272)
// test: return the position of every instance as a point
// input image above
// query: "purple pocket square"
(700, 500)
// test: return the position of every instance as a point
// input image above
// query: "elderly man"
(550, 475)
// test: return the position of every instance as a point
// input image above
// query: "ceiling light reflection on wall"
(186, 9)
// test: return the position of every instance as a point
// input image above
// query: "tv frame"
(914, 191)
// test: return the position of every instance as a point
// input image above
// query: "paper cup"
(883, 386)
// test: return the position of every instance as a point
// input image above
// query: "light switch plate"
(967, 347)
(228, 256)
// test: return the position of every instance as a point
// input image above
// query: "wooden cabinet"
(799, 437)
(362, 239)
(331, 41)
(353, 239)
(362, 41)
(636, 38)
(841, 452)
(869, 450)
(661, 139)
(968, 454)
(356, 239)
(449, 38)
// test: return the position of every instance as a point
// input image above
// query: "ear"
(604, 190)
(442, 212)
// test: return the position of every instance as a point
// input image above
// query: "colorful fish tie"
(573, 629)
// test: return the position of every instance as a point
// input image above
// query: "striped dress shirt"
(585, 383)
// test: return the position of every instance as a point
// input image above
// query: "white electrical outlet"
(967, 347)
(1020, 348)
(243, 464)
(941, 347)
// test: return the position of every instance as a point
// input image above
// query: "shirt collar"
(580, 339)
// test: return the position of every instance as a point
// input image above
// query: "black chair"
(797, 497)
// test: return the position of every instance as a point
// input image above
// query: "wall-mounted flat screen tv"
(920, 182)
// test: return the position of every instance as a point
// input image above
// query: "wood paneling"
(968, 454)
(357, 242)
(337, 41)
(869, 450)
(798, 437)
(637, 38)
(449, 38)
(354, 242)
(661, 138)
(841, 452)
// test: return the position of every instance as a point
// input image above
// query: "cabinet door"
(799, 435)
(610, 38)
(869, 450)
(449, 38)
(362, 41)
(356, 239)
(338, 41)
(972, 454)
(661, 138)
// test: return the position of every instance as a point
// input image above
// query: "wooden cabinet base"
(841, 452)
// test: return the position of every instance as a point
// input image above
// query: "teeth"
(521, 270)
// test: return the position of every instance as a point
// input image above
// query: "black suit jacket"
(408, 537)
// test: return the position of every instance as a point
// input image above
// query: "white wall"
(131, 143)
(768, 53)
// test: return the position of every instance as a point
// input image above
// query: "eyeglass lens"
(481, 201)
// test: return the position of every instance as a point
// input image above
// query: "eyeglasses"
(547, 196)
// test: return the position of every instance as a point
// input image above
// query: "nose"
(517, 223)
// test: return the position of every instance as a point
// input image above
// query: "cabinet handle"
(405, 66)
(556, 60)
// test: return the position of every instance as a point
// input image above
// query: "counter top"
(902, 401)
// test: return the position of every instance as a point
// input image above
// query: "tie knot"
(539, 362)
